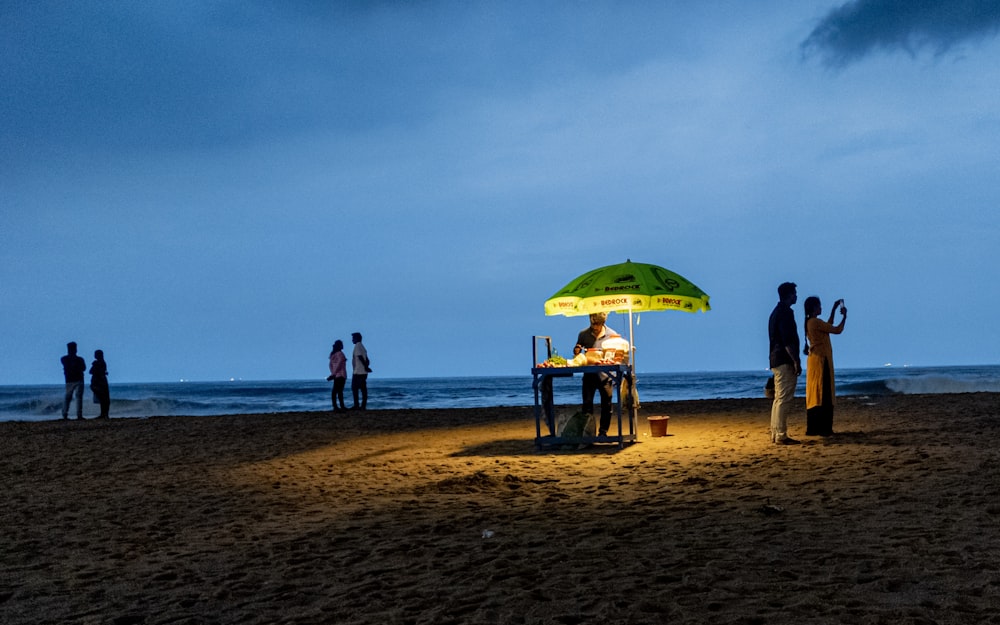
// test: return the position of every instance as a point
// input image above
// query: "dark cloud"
(144, 77)
(853, 30)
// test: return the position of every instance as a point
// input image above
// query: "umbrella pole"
(632, 409)
(631, 341)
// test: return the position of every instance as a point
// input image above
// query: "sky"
(214, 190)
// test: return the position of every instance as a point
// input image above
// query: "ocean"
(44, 402)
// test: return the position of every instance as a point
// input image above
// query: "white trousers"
(784, 390)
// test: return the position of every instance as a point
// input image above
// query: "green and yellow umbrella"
(627, 287)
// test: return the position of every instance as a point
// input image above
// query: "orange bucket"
(658, 425)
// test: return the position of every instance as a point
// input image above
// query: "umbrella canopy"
(627, 287)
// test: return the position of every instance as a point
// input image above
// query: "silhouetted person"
(783, 339)
(73, 369)
(99, 383)
(360, 369)
(338, 373)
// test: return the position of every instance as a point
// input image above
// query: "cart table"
(545, 410)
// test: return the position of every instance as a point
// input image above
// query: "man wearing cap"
(592, 337)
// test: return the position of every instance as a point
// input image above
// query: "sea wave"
(866, 387)
(941, 384)
(40, 402)
(920, 384)
(39, 406)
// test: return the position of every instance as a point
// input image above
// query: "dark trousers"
(103, 397)
(819, 419)
(73, 389)
(338, 393)
(605, 386)
(359, 385)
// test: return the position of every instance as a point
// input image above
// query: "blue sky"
(215, 190)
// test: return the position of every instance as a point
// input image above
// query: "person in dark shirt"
(73, 369)
(783, 339)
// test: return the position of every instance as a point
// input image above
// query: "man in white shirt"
(360, 369)
(592, 337)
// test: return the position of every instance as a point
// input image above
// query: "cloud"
(227, 74)
(852, 31)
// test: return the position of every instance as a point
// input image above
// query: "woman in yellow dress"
(820, 393)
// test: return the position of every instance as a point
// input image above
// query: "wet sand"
(453, 516)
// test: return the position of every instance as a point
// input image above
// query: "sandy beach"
(453, 516)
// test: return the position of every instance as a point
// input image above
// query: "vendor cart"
(542, 381)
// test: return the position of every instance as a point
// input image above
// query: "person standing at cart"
(603, 383)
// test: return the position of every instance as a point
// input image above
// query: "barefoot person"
(820, 390)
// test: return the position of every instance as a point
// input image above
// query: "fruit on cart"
(553, 361)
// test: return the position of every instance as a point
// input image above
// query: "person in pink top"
(338, 373)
